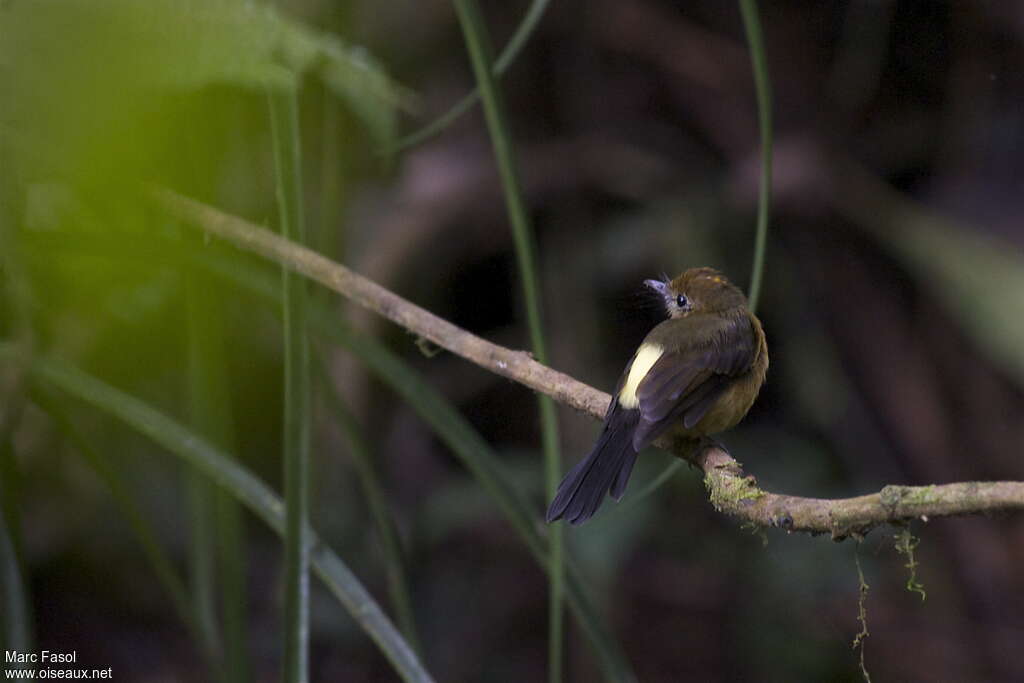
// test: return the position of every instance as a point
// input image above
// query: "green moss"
(920, 495)
(891, 496)
(730, 492)
(905, 544)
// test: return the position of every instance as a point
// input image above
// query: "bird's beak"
(657, 285)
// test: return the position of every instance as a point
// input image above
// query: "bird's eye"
(682, 301)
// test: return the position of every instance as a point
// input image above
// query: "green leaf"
(116, 53)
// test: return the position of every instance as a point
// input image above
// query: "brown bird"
(696, 374)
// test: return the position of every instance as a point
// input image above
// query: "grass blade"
(444, 419)
(455, 431)
(223, 541)
(762, 83)
(483, 463)
(391, 549)
(146, 536)
(199, 493)
(285, 128)
(233, 565)
(655, 484)
(16, 621)
(478, 44)
(515, 44)
(242, 485)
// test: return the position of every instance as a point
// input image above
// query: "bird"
(695, 374)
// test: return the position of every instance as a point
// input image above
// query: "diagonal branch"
(730, 491)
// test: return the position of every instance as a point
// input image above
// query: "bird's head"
(698, 290)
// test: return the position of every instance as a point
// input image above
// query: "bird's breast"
(730, 408)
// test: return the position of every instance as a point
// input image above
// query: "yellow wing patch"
(646, 356)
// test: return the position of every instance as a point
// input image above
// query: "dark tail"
(605, 470)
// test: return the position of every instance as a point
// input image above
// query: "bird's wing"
(690, 376)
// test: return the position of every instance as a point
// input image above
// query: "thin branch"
(730, 490)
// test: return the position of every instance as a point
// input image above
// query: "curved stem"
(241, 484)
(284, 119)
(478, 45)
(391, 548)
(522, 34)
(147, 537)
(752, 26)
(655, 483)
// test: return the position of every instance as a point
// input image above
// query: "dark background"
(893, 302)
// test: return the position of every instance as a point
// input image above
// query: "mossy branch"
(730, 490)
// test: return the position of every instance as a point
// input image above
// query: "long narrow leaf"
(210, 415)
(508, 55)
(478, 44)
(15, 623)
(398, 586)
(200, 492)
(459, 435)
(241, 484)
(144, 532)
(763, 86)
(432, 406)
(480, 459)
(284, 117)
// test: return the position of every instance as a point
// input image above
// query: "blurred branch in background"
(730, 491)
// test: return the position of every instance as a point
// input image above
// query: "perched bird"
(696, 373)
